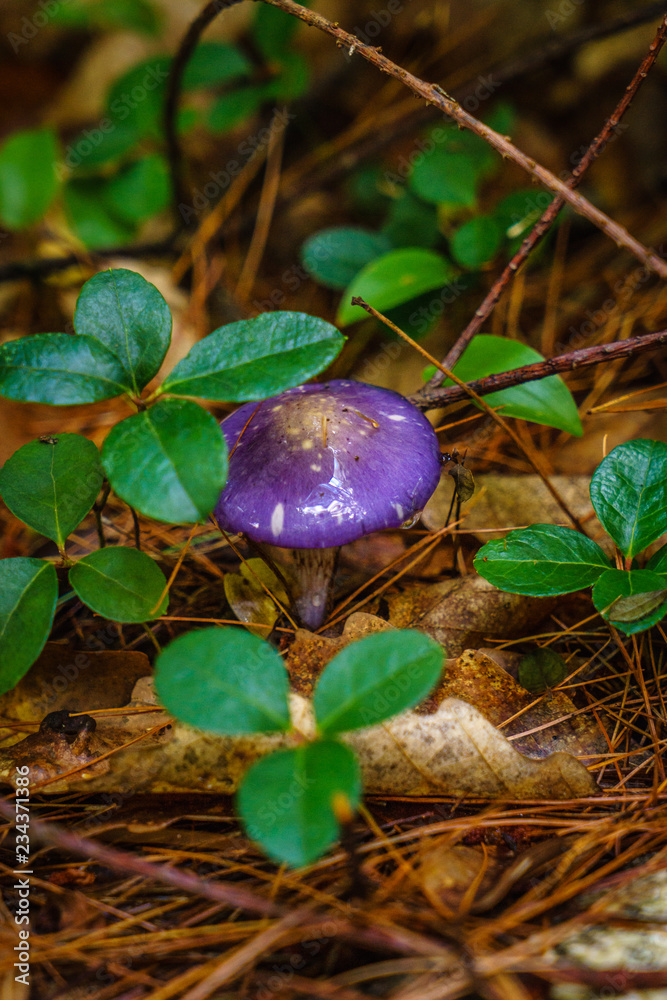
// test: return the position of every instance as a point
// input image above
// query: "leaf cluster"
(229, 682)
(167, 460)
(629, 495)
(113, 176)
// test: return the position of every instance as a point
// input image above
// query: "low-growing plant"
(629, 495)
(113, 176)
(231, 683)
(168, 460)
(433, 232)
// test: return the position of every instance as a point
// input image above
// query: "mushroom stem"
(313, 570)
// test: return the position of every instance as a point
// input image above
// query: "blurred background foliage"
(325, 178)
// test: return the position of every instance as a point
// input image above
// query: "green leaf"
(272, 31)
(169, 462)
(631, 600)
(28, 178)
(140, 190)
(629, 494)
(334, 256)
(658, 562)
(129, 15)
(288, 800)
(256, 358)
(542, 668)
(28, 595)
(121, 584)
(230, 110)
(447, 178)
(292, 80)
(375, 678)
(137, 97)
(59, 369)
(393, 279)
(126, 314)
(517, 213)
(476, 242)
(546, 401)
(90, 216)
(51, 484)
(542, 560)
(214, 63)
(411, 222)
(225, 681)
(95, 147)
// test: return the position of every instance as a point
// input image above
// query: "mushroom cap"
(323, 464)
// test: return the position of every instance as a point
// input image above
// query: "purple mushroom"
(322, 465)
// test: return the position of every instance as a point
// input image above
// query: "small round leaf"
(170, 461)
(51, 484)
(288, 800)
(59, 369)
(391, 280)
(28, 178)
(28, 595)
(546, 401)
(375, 678)
(127, 314)
(542, 560)
(334, 256)
(225, 681)
(121, 584)
(476, 242)
(629, 494)
(631, 600)
(256, 358)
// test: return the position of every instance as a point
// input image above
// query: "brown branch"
(549, 217)
(434, 398)
(231, 895)
(468, 390)
(437, 97)
(174, 83)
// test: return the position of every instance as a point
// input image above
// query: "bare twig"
(470, 392)
(231, 895)
(441, 100)
(544, 224)
(434, 398)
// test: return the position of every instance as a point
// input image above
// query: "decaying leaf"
(466, 612)
(549, 721)
(456, 751)
(501, 502)
(76, 680)
(249, 600)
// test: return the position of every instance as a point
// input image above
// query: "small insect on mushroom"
(321, 465)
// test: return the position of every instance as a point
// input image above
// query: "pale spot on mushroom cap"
(277, 519)
(316, 468)
(396, 416)
(316, 600)
(306, 444)
(398, 509)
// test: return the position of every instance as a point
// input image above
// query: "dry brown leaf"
(478, 679)
(76, 680)
(456, 751)
(465, 613)
(501, 502)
